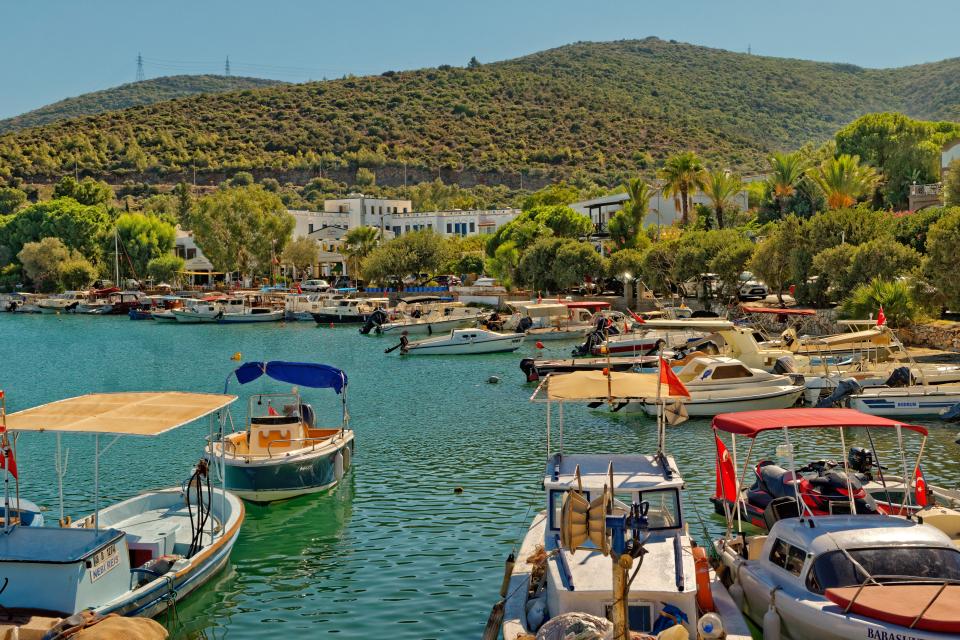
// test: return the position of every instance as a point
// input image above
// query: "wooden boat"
(62, 302)
(464, 342)
(349, 310)
(284, 453)
(137, 557)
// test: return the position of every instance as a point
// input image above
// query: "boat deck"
(164, 531)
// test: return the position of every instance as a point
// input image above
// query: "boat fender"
(710, 627)
(736, 589)
(771, 619)
(338, 466)
(347, 455)
(494, 622)
(507, 572)
(536, 613)
(704, 596)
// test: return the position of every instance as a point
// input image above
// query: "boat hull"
(425, 328)
(500, 345)
(888, 402)
(242, 318)
(335, 318)
(710, 405)
(280, 478)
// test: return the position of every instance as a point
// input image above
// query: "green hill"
(602, 109)
(130, 95)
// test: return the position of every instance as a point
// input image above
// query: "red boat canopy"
(778, 311)
(585, 304)
(751, 423)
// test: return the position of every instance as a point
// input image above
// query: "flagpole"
(4, 444)
(661, 431)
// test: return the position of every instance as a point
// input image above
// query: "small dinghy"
(283, 453)
(463, 342)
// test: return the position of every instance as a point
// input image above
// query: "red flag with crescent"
(920, 484)
(726, 474)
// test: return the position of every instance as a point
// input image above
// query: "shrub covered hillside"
(607, 110)
(131, 95)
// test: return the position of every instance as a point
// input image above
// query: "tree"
(911, 228)
(575, 263)
(563, 221)
(365, 177)
(721, 187)
(626, 225)
(659, 264)
(11, 199)
(536, 268)
(241, 228)
(730, 261)
(357, 244)
(473, 63)
(412, 253)
(843, 180)
(42, 262)
(951, 183)
(773, 258)
(684, 175)
(881, 258)
(626, 262)
(77, 273)
(831, 268)
(88, 191)
(184, 202)
(143, 238)
(786, 172)
(558, 193)
(302, 253)
(504, 263)
(165, 268)
(942, 243)
(80, 227)
(241, 179)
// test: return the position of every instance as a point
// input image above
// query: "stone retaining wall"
(940, 334)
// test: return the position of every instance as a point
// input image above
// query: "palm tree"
(684, 175)
(627, 224)
(720, 187)
(843, 179)
(357, 245)
(786, 172)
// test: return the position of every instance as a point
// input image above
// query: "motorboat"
(137, 557)
(422, 315)
(282, 452)
(536, 368)
(62, 302)
(720, 372)
(705, 403)
(610, 550)
(302, 306)
(463, 342)
(845, 576)
(21, 302)
(156, 307)
(856, 483)
(609, 337)
(349, 310)
(118, 303)
(248, 308)
(97, 302)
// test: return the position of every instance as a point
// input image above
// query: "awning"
(585, 304)
(875, 336)
(695, 324)
(751, 423)
(778, 311)
(545, 310)
(594, 385)
(308, 374)
(144, 413)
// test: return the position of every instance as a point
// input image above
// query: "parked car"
(447, 280)
(314, 285)
(694, 287)
(751, 288)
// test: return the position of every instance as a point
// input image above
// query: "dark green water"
(393, 552)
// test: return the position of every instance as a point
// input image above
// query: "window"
(406, 228)
(449, 228)
(639, 616)
(191, 253)
(429, 225)
(664, 510)
(834, 569)
(404, 209)
(310, 228)
(788, 557)
(473, 227)
(556, 506)
(396, 231)
(179, 251)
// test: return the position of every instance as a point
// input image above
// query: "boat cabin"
(277, 424)
(706, 370)
(582, 581)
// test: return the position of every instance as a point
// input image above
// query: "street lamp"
(627, 279)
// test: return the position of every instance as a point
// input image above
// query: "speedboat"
(349, 310)
(705, 403)
(62, 302)
(137, 557)
(284, 453)
(846, 576)
(463, 342)
(910, 400)
(609, 337)
(115, 304)
(24, 303)
(610, 549)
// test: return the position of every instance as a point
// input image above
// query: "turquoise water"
(393, 551)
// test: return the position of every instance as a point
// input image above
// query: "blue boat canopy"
(307, 374)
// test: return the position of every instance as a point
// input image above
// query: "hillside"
(131, 95)
(602, 109)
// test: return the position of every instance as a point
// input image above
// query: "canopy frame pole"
(549, 451)
(846, 473)
(560, 410)
(60, 467)
(96, 482)
(6, 466)
(903, 463)
(801, 505)
(736, 504)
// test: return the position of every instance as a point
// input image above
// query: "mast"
(116, 256)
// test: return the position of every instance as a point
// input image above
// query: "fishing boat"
(349, 310)
(282, 453)
(610, 551)
(536, 368)
(23, 303)
(62, 302)
(97, 301)
(163, 307)
(463, 342)
(910, 400)
(616, 339)
(302, 306)
(117, 303)
(422, 315)
(248, 308)
(137, 557)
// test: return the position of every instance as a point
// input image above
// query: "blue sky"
(52, 49)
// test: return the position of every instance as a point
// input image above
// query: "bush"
(165, 268)
(894, 296)
(241, 179)
(942, 243)
(77, 273)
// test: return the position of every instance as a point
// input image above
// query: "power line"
(140, 74)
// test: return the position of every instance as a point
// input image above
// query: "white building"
(663, 209)
(196, 266)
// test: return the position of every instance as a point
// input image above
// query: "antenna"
(749, 50)
(140, 75)
(226, 67)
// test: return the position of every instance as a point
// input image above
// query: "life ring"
(704, 595)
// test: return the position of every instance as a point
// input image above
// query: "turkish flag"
(637, 318)
(920, 484)
(881, 318)
(272, 411)
(726, 474)
(7, 461)
(669, 378)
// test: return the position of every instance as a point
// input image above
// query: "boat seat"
(151, 539)
(274, 438)
(779, 481)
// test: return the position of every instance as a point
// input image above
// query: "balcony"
(933, 190)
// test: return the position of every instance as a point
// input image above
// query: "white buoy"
(736, 592)
(710, 626)
(771, 623)
(338, 466)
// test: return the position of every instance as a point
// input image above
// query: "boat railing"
(889, 580)
(314, 442)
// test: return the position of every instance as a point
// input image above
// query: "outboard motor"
(525, 323)
(307, 415)
(860, 459)
(594, 338)
(785, 365)
(952, 414)
(846, 387)
(374, 320)
(901, 377)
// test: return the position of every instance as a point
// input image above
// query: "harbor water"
(396, 551)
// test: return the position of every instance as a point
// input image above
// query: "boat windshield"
(834, 569)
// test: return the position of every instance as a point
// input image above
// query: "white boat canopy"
(145, 413)
(875, 336)
(694, 324)
(593, 385)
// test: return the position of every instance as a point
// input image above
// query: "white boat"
(137, 557)
(422, 315)
(550, 321)
(349, 310)
(235, 310)
(912, 400)
(283, 454)
(302, 306)
(705, 403)
(464, 341)
(611, 550)
(62, 302)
